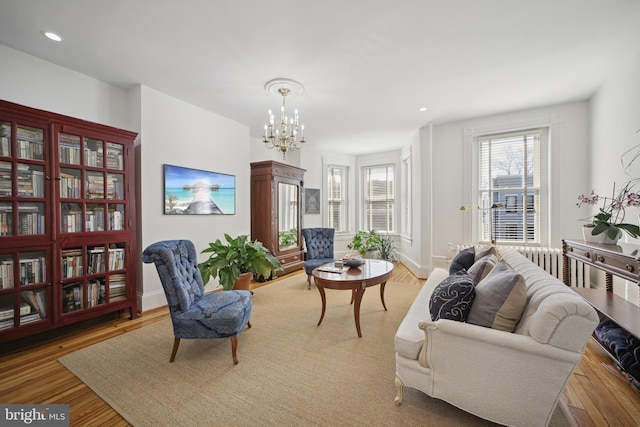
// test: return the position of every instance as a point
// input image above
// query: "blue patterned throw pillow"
(463, 260)
(452, 298)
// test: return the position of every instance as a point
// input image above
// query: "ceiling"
(366, 65)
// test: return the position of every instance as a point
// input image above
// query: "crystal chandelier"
(286, 133)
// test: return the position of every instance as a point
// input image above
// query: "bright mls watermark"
(34, 415)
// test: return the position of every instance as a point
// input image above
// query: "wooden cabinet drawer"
(290, 258)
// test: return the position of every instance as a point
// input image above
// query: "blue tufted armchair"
(319, 242)
(194, 314)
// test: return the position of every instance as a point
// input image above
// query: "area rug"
(291, 371)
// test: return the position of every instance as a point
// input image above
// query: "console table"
(621, 260)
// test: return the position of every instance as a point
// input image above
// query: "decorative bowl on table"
(353, 262)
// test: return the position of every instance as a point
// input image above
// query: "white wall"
(177, 133)
(449, 164)
(615, 121)
(35, 83)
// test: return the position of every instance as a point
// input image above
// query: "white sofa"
(509, 378)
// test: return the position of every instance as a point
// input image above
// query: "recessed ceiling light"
(52, 36)
(422, 109)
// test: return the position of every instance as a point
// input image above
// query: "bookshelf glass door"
(33, 306)
(116, 216)
(31, 219)
(93, 153)
(30, 143)
(23, 288)
(6, 179)
(69, 149)
(115, 156)
(6, 219)
(94, 220)
(5, 139)
(70, 218)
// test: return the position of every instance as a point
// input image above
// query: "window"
(378, 202)
(509, 186)
(336, 190)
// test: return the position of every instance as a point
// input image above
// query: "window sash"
(509, 175)
(378, 201)
(336, 200)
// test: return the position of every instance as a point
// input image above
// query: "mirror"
(287, 216)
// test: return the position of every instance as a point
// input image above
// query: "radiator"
(549, 259)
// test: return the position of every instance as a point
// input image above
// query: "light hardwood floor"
(30, 373)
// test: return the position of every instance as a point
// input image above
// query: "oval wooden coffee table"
(357, 280)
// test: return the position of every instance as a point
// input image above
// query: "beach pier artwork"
(196, 192)
(202, 203)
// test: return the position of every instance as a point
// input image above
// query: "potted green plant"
(610, 217)
(235, 257)
(364, 242)
(386, 248)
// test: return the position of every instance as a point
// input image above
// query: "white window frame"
(542, 209)
(349, 192)
(391, 225)
(342, 200)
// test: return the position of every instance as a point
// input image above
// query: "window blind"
(378, 201)
(509, 187)
(336, 198)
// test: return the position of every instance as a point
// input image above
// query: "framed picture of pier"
(197, 192)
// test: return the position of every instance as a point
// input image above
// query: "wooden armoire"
(276, 211)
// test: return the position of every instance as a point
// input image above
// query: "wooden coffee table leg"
(356, 309)
(324, 303)
(382, 295)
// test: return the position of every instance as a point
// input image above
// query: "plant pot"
(600, 239)
(242, 282)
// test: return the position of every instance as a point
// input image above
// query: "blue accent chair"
(194, 314)
(319, 243)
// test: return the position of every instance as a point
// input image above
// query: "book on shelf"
(5, 139)
(71, 263)
(33, 150)
(6, 324)
(6, 274)
(6, 312)
(95, 262)
(32, 270)
(6, 223)
(94, 156)
(96, 293)
(115, 220)
(30, 134)
(116, 258)
(114, 156)
(117, 286)
(69, 185)
(31, 223)
(30, 318)
(95, 219)
(71, 297)
(35, 299)
(69, 148)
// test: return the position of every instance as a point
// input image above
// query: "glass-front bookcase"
(66, 203)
